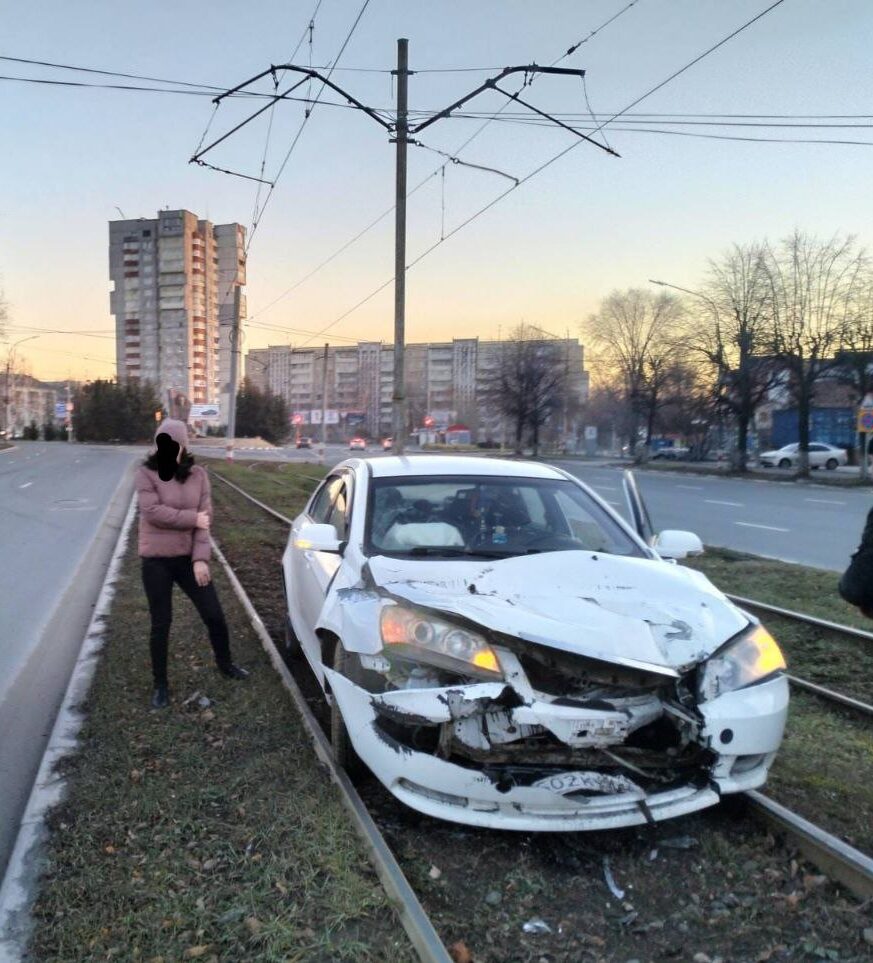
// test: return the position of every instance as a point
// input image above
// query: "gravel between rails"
(714, 884)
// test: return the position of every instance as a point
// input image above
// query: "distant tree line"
(261, 414)
(764, 316)
(110, 412)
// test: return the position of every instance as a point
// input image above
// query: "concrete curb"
(26, 862)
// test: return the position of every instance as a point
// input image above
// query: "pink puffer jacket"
(168, 509)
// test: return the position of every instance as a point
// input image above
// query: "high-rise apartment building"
(173, 291)
(446, 382)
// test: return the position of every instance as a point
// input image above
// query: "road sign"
(591, 432)
(60, 410)
(865, 420)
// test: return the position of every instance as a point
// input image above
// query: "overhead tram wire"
(308, 29)
(548, 163)
(754, 120)
(439, 169)
(302, 127)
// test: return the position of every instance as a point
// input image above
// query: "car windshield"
(488, 517)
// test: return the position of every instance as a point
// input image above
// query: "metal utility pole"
(323, 405)
(401, 139)
(401, 130)
(68, 421)
(234, 370)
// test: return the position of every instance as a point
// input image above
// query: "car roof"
(405, 465)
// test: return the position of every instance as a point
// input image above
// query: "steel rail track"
(835, 858)
(802, 617)
(419, 929)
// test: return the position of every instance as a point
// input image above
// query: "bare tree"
(732, 334)
(528, 384)
(816, 289)
(636, 335)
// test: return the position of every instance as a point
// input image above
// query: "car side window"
(817, 448)
(340, 512)
(323, 500)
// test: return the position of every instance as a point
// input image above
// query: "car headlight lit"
(753, 656)
(423, 638)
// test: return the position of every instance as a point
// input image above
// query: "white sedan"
(820, 455)
(502, 649)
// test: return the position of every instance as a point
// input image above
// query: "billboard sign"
(331, 416)
(355, 418)
(60, 410)
(204, 413)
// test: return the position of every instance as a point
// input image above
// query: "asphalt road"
(811, 524)
(60, 509)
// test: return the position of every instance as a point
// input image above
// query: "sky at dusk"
(546, 253)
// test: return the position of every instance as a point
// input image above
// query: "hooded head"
(170, 458)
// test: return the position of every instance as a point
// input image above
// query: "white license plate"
(564, 782)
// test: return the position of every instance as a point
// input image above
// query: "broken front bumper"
(476, 795)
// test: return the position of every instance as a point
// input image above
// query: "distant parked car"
(387, 444)
(676, 453)
(304, 442)
(357, 444)
(820, 455)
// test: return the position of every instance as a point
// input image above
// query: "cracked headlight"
(753, 656)
(421, 637)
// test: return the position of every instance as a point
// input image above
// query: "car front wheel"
(784, 462)
(349, 665)
(831, 464)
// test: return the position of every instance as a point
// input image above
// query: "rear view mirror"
(675, 544)
(313, 537)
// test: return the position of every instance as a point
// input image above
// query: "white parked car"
(819, 454)
(502, 649)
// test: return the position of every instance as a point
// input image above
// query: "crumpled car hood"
(631, 611)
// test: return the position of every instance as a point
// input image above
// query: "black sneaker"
(160, 697)
(233, 671)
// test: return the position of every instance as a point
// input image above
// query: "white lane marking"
(714, 501)
(692, 488)
(769, 528)
(614, 504)
(824, 501)
(26, 485)
(605, 488)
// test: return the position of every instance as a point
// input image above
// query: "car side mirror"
(675, 544)
(314, 537)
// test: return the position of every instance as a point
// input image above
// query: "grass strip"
(207, 830)
(790, 586)
(712, 883)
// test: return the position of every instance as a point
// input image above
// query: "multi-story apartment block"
(174, 278)
(23, 400)
(445, 382)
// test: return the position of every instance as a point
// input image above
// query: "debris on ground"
(610, 880)
(536, 925)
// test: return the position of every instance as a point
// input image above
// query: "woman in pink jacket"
(175, 512)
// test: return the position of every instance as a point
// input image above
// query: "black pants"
(158, 576)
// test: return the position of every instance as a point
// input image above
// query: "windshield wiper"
(448, 551)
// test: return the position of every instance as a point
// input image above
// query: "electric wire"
(552, 160)
(438, 171)
(302, 127)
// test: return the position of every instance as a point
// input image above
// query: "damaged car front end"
(564, 690)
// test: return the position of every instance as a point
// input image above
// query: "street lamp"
(10, 363)
(695, 294)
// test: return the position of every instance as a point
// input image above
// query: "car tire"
(831, 464)
(784, 462)
(349, 665)
(293, 648)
